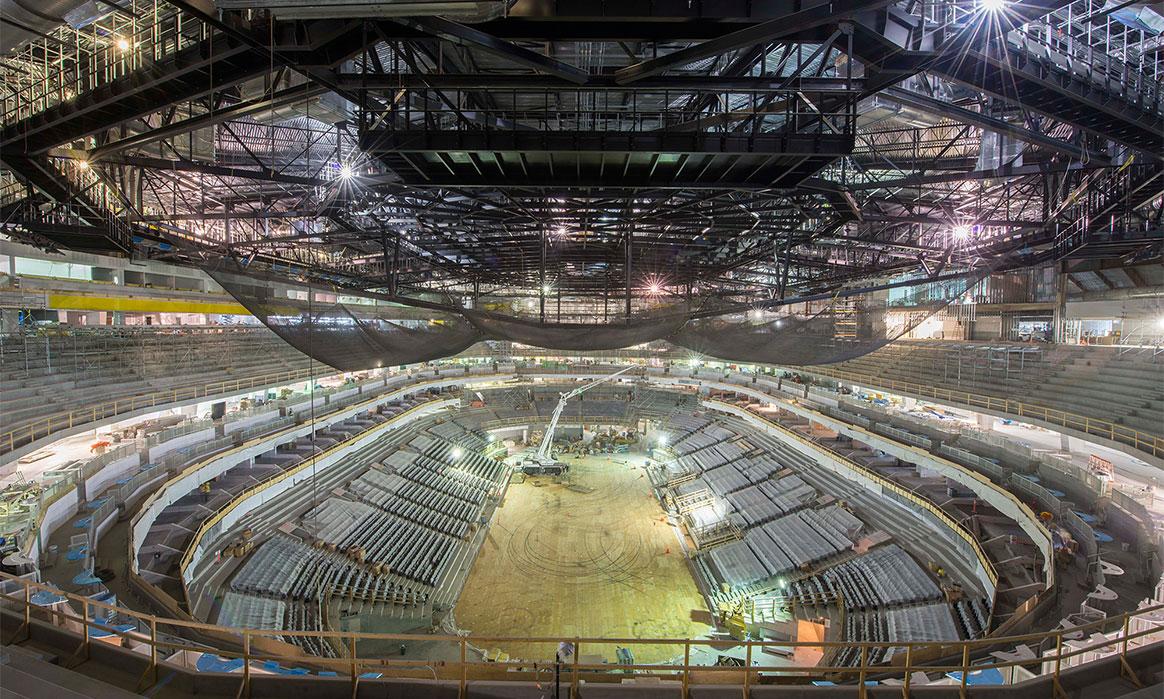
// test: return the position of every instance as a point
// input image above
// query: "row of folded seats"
(410, 550)
(436, 476)
(455, 432)
(286, 569)
(924, 623)
(885, 576)
(770, 499)
(239, 610)
(973, 615)
(790, 543)
(387, 490)
(706, 436)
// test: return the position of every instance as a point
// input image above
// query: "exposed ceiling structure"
(611, 154)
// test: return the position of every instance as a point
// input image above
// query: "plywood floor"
(561, 563)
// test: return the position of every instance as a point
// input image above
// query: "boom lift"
(542, 461)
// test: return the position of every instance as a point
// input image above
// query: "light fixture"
(992, 5)
(962, 232)
(456, 453)
(662, 440)
(654, 288)
(82, 164)
(346, 172)
(123, 44)
(547, 289)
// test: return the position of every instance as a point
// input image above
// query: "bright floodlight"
(662, 441)
(456, 453)
(547, 289)
(83, 164)
(654, 288)
(992, 5)
(961, 232)
(123, 44)
(346, 171)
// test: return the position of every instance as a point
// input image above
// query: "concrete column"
(985, 422)
(1064, 442)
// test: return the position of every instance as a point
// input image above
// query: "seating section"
(174, 528)
(248, 611)
(396, 534)
(973, 616)
(920, 623)
(1097, 382)
(885, 576)
(784, 545)
(47, 375)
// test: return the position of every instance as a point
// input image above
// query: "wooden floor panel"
(563, 563)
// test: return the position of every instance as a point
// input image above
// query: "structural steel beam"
(965, 116)
(476, 39)
(822, 14)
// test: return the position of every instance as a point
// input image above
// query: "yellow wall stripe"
(80, 302)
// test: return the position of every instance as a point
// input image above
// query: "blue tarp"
(86, 577)
(209, 662)
(988, 676)
(273, 666)
(103, 632)
(44, 598)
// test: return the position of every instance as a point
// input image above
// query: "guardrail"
(1142, 441)
(1116, 635)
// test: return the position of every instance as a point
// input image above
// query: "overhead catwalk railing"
(64, 62)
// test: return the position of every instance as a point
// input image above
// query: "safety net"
(352, 332)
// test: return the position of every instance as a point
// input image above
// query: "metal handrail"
(916, 656)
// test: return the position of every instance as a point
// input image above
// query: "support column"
(630, 236)
(1059, 317)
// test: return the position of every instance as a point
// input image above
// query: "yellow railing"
(25, 434)
(1143, 441)
(881, 481)
(262, 645)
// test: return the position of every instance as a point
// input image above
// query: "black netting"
(580, 337)
(355, 333)
(845, 327)
(349, 337)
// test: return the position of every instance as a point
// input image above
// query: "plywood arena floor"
(601, 564)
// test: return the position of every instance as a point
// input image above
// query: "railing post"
(965, 668)
(1058, 689)
(864, 667)
(352, 663)
(908, 671)
(246, 686)
(27, 609)
(154, 649)
(686, 668)
(1125, 667)
(747, 670)
(463, 688)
